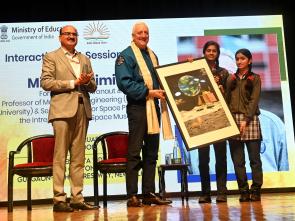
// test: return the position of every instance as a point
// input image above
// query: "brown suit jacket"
(56, 75)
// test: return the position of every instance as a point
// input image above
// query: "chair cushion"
(43, 149)
(34, 164)
(117, 165)
(117, 146)
(113, 161)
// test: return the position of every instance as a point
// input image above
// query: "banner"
(24, 104)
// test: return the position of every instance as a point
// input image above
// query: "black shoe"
(151, 198)
(83, 206)
(205, 199)
(255, 196)
(245, 197)
(221, 198)
(133, 201)
(62, 207)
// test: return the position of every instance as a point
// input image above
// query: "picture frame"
(196, 103)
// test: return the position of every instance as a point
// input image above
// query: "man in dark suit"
(136, 77)
(68, 75)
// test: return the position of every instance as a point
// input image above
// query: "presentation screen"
(24, 104)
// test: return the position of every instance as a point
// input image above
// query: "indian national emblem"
(3, 30)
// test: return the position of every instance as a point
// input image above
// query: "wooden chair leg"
(182, 184)
(95, 187)
(105, 190)
(160, 182)
(186, 184)
(163, 184)
(29, 191)
(10, 191)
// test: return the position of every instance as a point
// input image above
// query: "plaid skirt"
(253, 129)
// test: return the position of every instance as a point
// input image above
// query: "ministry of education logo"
(3, 31)
(96, 31)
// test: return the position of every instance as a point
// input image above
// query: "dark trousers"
(220, 168)
(139, 141)
(238, 156)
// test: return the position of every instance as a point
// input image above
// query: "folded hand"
(84, 78)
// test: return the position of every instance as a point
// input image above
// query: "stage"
(273, 206)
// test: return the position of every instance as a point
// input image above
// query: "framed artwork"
(196, 103)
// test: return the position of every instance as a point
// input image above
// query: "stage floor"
(273, 206)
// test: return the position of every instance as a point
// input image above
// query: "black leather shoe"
(133, 201)
(151, 198)
(245, 197)
(255, 195)
(83, 206)
(221, 198)
(62, 207)
(205, 199)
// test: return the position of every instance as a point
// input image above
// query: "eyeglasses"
(69, 34)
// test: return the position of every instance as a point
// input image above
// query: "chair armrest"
(11, 158)
(94, 149)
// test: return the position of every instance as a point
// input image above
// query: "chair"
(40, 151)
(114, 147)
